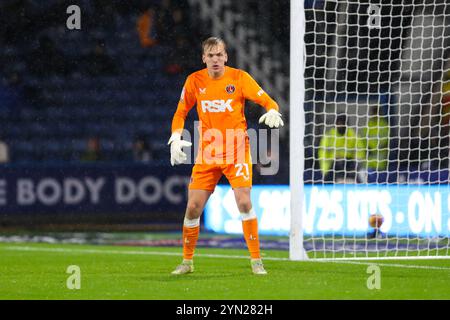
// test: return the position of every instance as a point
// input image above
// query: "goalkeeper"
(219, 92)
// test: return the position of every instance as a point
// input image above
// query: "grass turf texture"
(38, 271)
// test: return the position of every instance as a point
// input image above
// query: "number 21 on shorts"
(242, 170)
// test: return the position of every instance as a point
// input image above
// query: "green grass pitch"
(39, 271)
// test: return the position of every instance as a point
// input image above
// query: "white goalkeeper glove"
(177, 155)
(272, 118)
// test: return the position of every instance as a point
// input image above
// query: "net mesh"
(377, 111)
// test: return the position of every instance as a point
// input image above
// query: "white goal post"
(369, 129)
(296, 129)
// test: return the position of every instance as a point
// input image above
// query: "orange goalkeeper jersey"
(220, 107)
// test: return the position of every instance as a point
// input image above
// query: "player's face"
(215, 58)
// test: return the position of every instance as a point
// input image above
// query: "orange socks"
(250, 228)
(191, 230)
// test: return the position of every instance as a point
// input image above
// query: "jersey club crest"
(230, 88)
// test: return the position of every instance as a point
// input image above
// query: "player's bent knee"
(193, 209)
(243, 202)
(244, 205)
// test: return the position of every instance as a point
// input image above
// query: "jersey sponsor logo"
(230, 88)
(216, 105)
(202, 90)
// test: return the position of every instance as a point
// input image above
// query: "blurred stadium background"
(85, 114)
(87, 107)
(85, 117)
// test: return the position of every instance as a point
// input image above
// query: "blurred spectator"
(93, 151)
(99, 62)
(187, 63)
(433, 149)
(145, 27)
(47, 59)
(446, 100)
(172, 32)
(376, 138)
(142, 151)
(341, 153)
(443, 134)
(165, 22)
(4, 152)
(409, 148)
(434, 133)
(168, 25)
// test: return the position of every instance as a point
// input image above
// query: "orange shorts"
(206, 176)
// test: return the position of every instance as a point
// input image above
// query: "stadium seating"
(70, 108)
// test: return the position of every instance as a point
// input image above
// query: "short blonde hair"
(212, 42)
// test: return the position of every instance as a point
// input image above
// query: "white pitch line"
(224, 256)
(158, 253)
(395, 265)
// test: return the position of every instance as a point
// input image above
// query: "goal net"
(375, 121)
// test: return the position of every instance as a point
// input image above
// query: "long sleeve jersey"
(220, 107)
